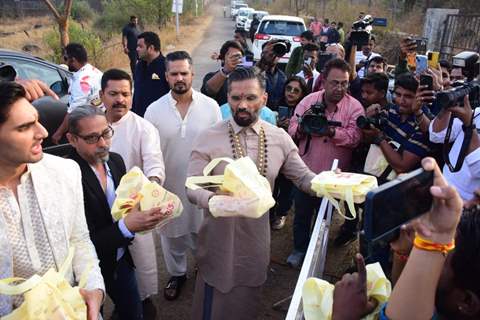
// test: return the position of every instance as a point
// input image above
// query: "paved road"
(219, 31)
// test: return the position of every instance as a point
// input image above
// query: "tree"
(62, 19)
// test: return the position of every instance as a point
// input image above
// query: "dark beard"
(181, 91)
(245, 122)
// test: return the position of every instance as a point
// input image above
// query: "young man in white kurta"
(177, 134)
(137, 141)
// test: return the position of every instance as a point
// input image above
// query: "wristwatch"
(378, 139)
(223, 72)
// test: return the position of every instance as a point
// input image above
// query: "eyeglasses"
(292, 89)
(343, 85)
(94, 138)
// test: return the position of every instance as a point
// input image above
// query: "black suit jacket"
(104, 232)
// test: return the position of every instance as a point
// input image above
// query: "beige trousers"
(144, 257)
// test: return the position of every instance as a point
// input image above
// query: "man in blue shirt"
(149, 82)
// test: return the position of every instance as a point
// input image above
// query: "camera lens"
(362, 122)
(280, 49)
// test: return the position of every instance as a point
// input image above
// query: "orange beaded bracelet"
(427, 245)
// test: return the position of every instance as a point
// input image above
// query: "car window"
(282, 28)
(28, 69)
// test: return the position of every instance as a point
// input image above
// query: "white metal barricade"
(314, 261)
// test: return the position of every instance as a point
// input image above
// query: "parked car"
(56, 77)
(242, 16)
(235, 7)
(260, 15)
(278, 27)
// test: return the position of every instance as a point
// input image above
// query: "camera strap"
(463, 150)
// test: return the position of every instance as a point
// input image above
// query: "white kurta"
(137, 141)
(177, 136)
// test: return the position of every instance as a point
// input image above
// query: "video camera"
(378, 121)
(361, 31)
(314, 121)
(281, 47)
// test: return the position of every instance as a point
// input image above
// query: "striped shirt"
(406, 133)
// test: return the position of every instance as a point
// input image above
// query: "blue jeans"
(306, 206)
(123, 291)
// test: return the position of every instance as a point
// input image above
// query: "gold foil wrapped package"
(349, 187)
(135, 188)
(49, 297)
(317, 294)
(251, 192)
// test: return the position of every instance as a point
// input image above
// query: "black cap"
(7, 72)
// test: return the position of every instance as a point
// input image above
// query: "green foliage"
(82, 12)
(78, 34)
(117, 13)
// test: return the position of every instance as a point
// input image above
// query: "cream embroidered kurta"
(235, 252)
(37, 230)
(176, 137)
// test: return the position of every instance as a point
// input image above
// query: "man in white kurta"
(180, 116)
(137, 141)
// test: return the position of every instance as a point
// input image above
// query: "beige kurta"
(234, 252)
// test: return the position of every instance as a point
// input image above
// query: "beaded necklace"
(239, 152)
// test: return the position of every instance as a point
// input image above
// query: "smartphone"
(421, 45)
(426, 80)
(433, 57)
(395, 203)
(421, 64)
(308, 61)
(283, 112)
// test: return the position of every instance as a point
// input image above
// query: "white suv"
(278, 27)
(235, 7)
(242, 15)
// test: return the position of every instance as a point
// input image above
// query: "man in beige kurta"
(234, 252)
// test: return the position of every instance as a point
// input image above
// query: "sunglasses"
(94, 138)
(292, 89)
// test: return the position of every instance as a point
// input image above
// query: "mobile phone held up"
(395, 203)
(426, 80)
(421, 64)
(283, 112)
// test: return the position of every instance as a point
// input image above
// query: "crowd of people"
(156, 121)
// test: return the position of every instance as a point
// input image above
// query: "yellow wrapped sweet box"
(49, 297)
(251, 192)
(349, 187)
(317, 294)
(135, 188)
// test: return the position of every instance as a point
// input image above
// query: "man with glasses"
(84, 85)
(91, 137)
(138, 142)
(319, 150)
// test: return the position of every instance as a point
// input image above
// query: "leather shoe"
(174, 287)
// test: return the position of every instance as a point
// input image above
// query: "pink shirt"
(323, 150)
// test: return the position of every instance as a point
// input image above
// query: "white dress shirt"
(84, 86)
(177, 136)
(137, 141)
(467, 179)
(359, 56)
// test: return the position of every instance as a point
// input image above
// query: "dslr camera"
(314, 121)
(454, 96)
(378, 121)
(470, 64)
(281, 47)
(361, 31)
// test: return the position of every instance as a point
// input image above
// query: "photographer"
(364, 55)
(310, 59)
(467, 179)
(295, 63)
(319, 149)
(403, 121)
(215, 83)
(271, 53)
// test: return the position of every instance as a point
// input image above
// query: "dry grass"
(191, 34)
